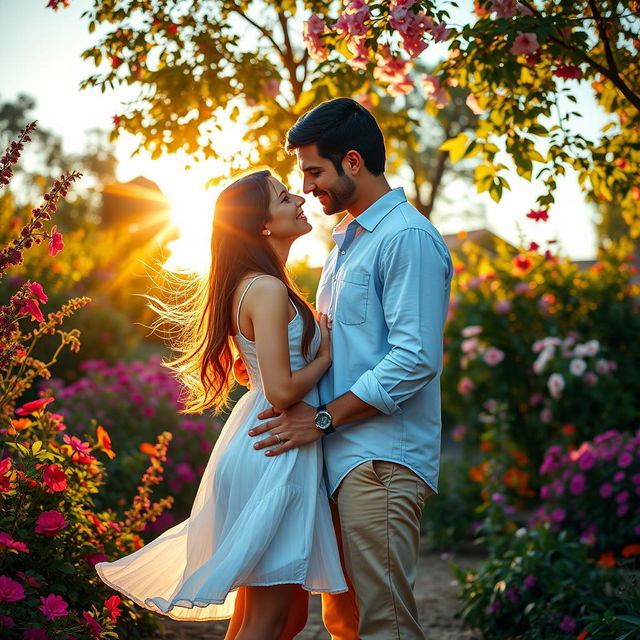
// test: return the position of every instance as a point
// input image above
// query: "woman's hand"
(324, 351)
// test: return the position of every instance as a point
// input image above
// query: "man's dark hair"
(339, 126)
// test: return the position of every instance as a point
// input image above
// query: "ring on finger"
(277, 437)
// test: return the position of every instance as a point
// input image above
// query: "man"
(386, 286)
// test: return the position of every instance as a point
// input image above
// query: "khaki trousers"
(379, 505)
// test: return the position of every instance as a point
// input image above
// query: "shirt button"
(342, 252)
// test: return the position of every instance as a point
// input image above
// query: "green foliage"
(542, 586)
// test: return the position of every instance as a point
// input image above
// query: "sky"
(40, 56)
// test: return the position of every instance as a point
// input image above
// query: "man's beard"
(339, 196)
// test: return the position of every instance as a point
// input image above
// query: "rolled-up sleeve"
(415, 272)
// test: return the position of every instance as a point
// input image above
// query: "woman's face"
(285, 209)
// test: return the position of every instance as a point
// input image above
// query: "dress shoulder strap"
(244, 293)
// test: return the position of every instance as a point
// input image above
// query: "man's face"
(335, 192)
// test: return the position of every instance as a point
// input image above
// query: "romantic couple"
(320, 474)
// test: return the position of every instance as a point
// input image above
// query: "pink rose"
(466, 386)
(556, 384)
(10, 590)
(49, 523)
(471, 330)
(53, 607)
(493, 356)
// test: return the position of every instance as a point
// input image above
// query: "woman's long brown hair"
(200, 314)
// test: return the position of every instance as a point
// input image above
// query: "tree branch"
(289, 57)
(261, 29)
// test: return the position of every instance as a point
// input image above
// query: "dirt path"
(437, 604)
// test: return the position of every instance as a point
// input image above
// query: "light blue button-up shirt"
(386, 284)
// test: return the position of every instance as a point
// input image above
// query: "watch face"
(323, 420)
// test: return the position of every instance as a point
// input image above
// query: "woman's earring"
(266, 232)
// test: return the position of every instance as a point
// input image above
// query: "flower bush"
(51, 534)
(542, 586)
(135, 401)
(593, 492)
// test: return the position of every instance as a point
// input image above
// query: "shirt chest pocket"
(353, 293)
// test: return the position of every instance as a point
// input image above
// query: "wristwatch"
(324, 420)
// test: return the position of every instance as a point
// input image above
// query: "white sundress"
(255, 521)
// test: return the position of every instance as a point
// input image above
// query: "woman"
(258, 522)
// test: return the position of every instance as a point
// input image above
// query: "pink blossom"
(577, 366)
(502, 307)
(10, 590)
(77, 445)
(459, 432)
(441, 33)
(365, 100)
(37, 290)
(473, 104)
(55, 244)
(434, 89)
(311, 31)
(622, 510)
(31, 307)
(606, 490)
(622, 497)
(590, 379)
(360, 59)
(466, 386)
(471, 330)
(53, 607)
(494, 607)
(493, 356)
(51, 522)
(557, 515)
(568, 624)
(625, 459)
(602, 367)
(525, 43)
(30, 580)
(521, 287)
(394, 71)
(6, 622)
(8, 542)
(185, 473)
(577, 484)
(94, 628)
(94, 558)
(592, 347)
(33, 406)
(504, 8)
(619, 476)
(546, 415)
(556, 385)
(635, 478)
(469, 345)
(271, 87)
(530, 582)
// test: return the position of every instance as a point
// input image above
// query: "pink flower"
(494, 607)
(622, 510)
(590, 379)
(54, 477)
(77, 445)
(10, 590)
(625, 459)
(502, 307)
(466, 386)
(473, 104)
(557, 515)
(622, 497)
(315, 25)
(94, 558)
(49, 523)
(493, 356)
(577, 484)
(602, 367)
(360, 59)
(271, 87)
(435, 90)
(441, 33)
(112, 605)
(568, 624)
(546, 415)
(311, 31)
(471, 330)
(53, 606)
(504, 8)
(521, 287)
(37, 290)
(568, 72)
(577, 366)
(538, 215)
(94, 628)
(6, 622)
(556, 384)
(530, 582)
(55, 244)
(606, 490)
(525, 43)
(8, 542)
(33, 406)
(459, 433)
(32, 308)
(34, 633)
(30, 580)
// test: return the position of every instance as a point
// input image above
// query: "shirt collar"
(371, 217)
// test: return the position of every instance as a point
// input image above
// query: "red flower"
(539, 214)
(32, 308)
(112, 604)
(607, 560)
(115, 62)
(55, 244)
(116, 120)
(534, 246)
(94, 628)
(8, 542)
(37, 290)
(50, 522)
(173, 29)
(568, 72)
(631, 550)
(54, 477)
(522, 262)
(33, 406)
(582, 636)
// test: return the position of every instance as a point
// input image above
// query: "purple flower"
(622, 497)
(545, 492)
(494, 607)
(619, 476)
(497, 498)
(635, 478)
(530, 582)
(577, 484)
(625, 459)
(606, 490)
(557, 515)
(622, 510)
(558, 487)
(568, 624)
(513, 594)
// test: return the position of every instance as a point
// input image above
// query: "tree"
(199, 64)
